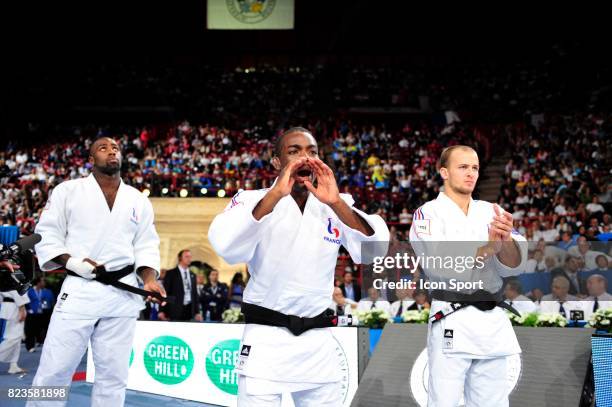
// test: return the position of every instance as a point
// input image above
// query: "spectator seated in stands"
(536, 262)
(373, 301)
(550, 264)
(341, 305)
(570, 271)
(560, 301)
(421, 301)
(603, 264)
(599, 298)
(536, 296)
(566, 241)
(514, 297)
(584, 252)
(403, 303)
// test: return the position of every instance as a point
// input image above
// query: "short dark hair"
(278, 145)
(238, 277)
(91, 148)
(180, 254)
(515, 285)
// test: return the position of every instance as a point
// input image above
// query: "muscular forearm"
(509, 255)
(350, 218)
(267, 204)
(147, 274)
(62, 259)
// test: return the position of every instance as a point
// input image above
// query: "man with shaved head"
(289, 235)
(100, 231)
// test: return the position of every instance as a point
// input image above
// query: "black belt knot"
(256, 314)
(112, 278)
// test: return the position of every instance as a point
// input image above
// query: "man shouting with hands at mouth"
(289, 236)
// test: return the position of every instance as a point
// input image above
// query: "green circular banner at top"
(220, 365)
(168, 359)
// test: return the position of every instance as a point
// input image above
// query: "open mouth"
(304, 172)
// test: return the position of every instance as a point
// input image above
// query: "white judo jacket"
(77, 221)
(10, 310)
(11, 330)
(291, 258)
(476, 334)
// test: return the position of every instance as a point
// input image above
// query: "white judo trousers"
(11, 332)
(77, 221)
(324, 395)
(10, 341)
(65, 345)
(472, 361)
(482, 382)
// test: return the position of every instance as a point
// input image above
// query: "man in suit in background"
(599, 298)
(350, 289)
(514, 297)
(559, 301)
(421, 301)
(403, 303)
(373, 301)
(181, 283)
(570, 272)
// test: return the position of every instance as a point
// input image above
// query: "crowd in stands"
(556, 181)
(558, 187)
(388, 172)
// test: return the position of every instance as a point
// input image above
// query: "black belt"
(7, 299)
(255, 314)
(481, 299)
(113, 277)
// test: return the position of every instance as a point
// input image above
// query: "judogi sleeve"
(352, 239)
(18, 300)
(426, 233)
(52, 228)
(235, 233)
(427, 240)
(505, 271)
(21, 299)
(146, 241)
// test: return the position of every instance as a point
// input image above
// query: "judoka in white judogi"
(11, 328)
(78, 221)
(466, 349)
(291, 256)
